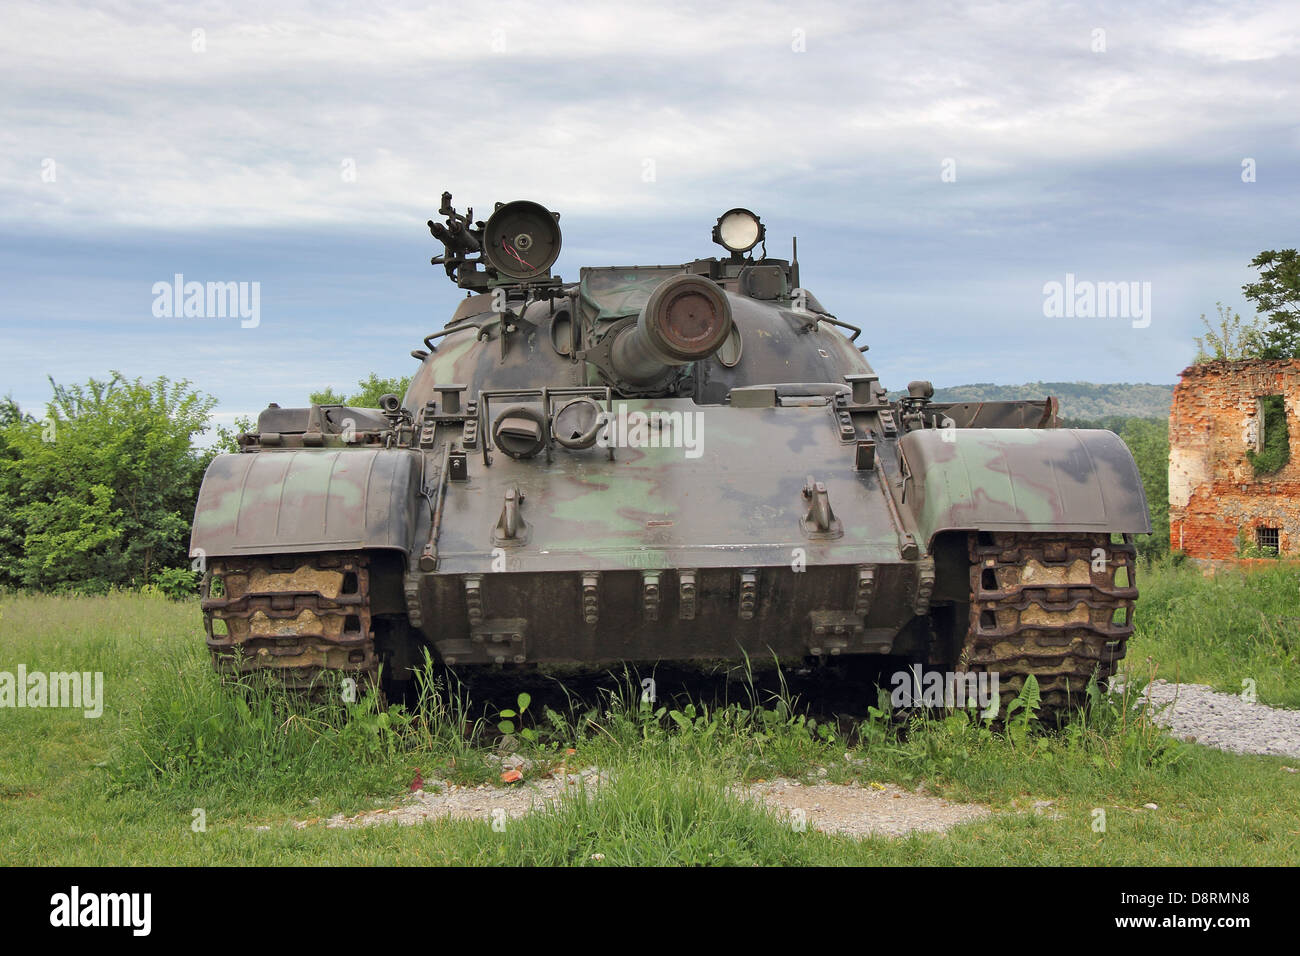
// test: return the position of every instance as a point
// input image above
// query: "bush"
(176, 583)
(100, 493)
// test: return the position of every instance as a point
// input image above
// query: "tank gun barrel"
(686, 319)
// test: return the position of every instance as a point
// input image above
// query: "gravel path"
(483, 802)
(854, 810)
(879, 809)
(1201, 715)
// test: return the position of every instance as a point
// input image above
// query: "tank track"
(296, 617)
(1043, 604)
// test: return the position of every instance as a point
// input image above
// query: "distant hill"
(1079, 400)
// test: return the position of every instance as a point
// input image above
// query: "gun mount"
(518, 243)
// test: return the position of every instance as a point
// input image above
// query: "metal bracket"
(924, 585)
(833, 631)
(819, 521)
(591, 596)
(686, 593)
(501, 639)
(866, 590)
(474, 598)
(865, 457)
(748, 593)
(511, 529)
(650, 595)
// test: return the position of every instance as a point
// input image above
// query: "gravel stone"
(853, 810)
(1200, 714)
(447, 800)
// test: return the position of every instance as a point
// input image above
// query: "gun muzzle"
(687, 318)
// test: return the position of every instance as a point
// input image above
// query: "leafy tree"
(1233, 341)
(368, 396)
(226, 443)
(11, 413)
(1148, 440)
(101, 492)
(327, 397)
(11, 536)
(1277, 294)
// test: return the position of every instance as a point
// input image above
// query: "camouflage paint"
(1002, 479)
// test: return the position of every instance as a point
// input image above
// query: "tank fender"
(308, 500)
(1021, 479)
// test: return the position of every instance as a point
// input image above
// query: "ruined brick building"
(1222, 504)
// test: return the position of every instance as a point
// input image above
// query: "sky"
(942, 165)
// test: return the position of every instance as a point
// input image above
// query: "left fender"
(1022, 479)
(308, 500)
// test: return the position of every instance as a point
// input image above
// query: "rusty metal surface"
(1058, 606)
(295, 616)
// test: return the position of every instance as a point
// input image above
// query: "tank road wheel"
(297, 618)
(1049, 604)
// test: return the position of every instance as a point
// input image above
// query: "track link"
(1048, 604)
(296, 617)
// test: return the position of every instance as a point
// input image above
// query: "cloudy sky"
(940, 163)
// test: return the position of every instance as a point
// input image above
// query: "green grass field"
(124, 788)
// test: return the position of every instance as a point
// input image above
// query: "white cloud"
(254, 130)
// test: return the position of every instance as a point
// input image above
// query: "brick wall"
(1213, 491)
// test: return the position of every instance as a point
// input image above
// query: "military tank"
(682, 462)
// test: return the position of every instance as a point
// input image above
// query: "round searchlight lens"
(739, 230)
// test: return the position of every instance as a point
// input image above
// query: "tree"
(11, 535)
(1148, 440)
(327, 397)
(368, 396)
(101, 492)
(10, 412)
(1277, 294)
(1233, 341)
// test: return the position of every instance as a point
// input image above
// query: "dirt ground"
(853, 810)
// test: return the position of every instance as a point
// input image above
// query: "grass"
(1235, 626)
(124, 788)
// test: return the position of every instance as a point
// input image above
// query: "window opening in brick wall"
(1273, 440)
(1267, 539)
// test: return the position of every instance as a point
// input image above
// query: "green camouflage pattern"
(1023, 480)
(788, 507)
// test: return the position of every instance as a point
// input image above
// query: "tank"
(665, 463)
